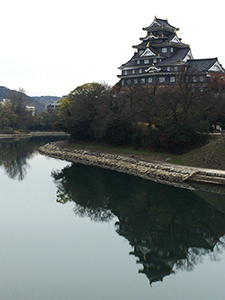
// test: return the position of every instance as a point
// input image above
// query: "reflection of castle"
(161, 247)
(167, 227)
(157, 260)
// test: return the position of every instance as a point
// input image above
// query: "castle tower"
(162, 56)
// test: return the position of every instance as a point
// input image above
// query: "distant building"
(162, 57)
(51, 107)
(31, 109)
(4, 101)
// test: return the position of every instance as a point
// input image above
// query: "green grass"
(125, 150)
(210, 155)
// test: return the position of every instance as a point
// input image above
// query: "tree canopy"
(172, 117)
(14, 114)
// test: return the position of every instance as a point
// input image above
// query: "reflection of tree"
(13, 157)
(168, 228)
(86, 190)
(15, 153)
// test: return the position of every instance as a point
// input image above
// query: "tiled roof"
(161, 22)
(165, 23)
(136, 56)
(201, 65)
(130, 62)
(171, 36)
(142, 45)
(176, 58)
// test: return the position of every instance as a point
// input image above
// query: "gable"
(155, 24)
(176, 40)
(216, 68)
(148, 52)
(188, 56)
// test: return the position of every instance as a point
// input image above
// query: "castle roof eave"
(161, 45)
(128, 63)
(153, 37)
(173, 44)
(147, 74)
(161, 24)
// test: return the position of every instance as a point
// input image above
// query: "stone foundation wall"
(160, 172)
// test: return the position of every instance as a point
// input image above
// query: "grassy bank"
(210, 155)
(143, 154)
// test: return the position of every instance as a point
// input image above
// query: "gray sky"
(51, 47)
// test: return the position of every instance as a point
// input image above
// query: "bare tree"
(18, 106)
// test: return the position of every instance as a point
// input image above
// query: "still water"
(70, 231)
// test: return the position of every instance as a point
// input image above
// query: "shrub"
(153, 138)
(119, 132)
(138, 139)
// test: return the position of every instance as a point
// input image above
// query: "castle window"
(172, 79)
(162, 79)
(140, 71)
(146, 61)
(122, 82)
(201, 78)
(171, 50)
(133, 71)
(129, 82)
(168, 68)
(135, 81)
(150, 80)
(164, 50)
(138, 62)
(142, 80)
(154, 60)
(125, 72)
(175, 68)
(194, 79)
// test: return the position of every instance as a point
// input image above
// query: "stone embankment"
(31, 134)
(161, 172)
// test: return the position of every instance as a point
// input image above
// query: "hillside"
(38, 102)
(211, 155)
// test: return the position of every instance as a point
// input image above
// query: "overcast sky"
(51, 47)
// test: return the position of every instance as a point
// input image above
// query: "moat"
(73, 231)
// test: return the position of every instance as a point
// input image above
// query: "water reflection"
(14, 154)
(168, 228)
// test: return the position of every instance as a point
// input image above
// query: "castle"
(162, 57)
